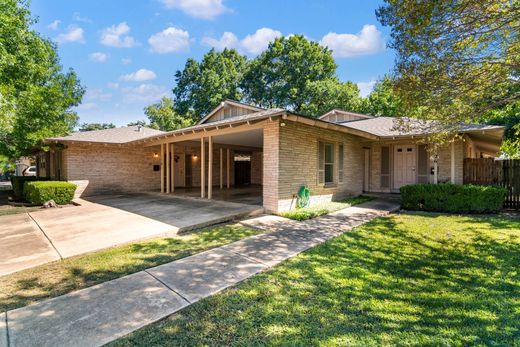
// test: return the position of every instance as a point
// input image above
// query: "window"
(325, 163)
(340, 162)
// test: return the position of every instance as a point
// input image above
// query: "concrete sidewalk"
(102, 313)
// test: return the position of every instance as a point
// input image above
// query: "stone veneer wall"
(112, 168)
(298, 163)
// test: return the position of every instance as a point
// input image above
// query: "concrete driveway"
(35, 238)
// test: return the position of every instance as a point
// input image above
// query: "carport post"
(202, 167)
(173, 167)
(221, 168)
(162, 168)
(227, 172)
(210, 167)
(167, 167)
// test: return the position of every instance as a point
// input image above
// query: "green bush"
(18, 183)
(40, 192)
(453, 198)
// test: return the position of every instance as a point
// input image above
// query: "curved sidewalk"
(97, 315)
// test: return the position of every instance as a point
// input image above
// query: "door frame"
(394, 151)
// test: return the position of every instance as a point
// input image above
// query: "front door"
(179, 168)
(404, 166)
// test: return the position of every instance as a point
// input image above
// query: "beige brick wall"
(256, 167)
(270, 165)
(298, 164)
(112, 168)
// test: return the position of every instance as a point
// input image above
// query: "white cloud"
(227, 40)
(113, 85)
(73, 34)
(126, 61)
(365, 88)
(117, 36)
(144, 93)
(99, 57)
(368, 41)
(97, 94)
(139, 76)
(78, 18)
(54, 25)
(170, 40)
(252, 44)
(87, 106)
(204, 9)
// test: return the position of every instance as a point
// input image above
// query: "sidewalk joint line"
(44, 234)
(247, 257)
(164, 284)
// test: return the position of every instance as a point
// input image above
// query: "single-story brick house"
(340, 153)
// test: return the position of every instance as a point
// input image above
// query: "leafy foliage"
(18, 184)
(95, 126)
(456, 60)
(35, 95)
(162, 116)
(39, 192)
(200, 87)
(455, 198)
(325, 95)
(509, 117)
(383, 101)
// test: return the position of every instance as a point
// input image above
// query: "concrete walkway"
(35, 238)
(102, 313)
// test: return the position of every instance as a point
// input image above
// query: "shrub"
(18, 183)
(453, 198)
(40, 192)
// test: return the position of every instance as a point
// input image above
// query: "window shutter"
(385, 167)
(321, 162)
(422, 164)
(340, 162)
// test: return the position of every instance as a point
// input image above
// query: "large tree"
(325, 95)
(36, 96)
(95, 126)
(456, 59)
(282, 75)
(162, 116)
(383, 101)
(201, 86)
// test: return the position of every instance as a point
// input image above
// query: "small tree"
(162, 116)
(95, 126)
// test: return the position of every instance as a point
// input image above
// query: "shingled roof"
(113, 135)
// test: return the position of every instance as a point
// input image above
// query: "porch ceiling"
(252, 138)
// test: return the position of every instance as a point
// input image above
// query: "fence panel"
(488, 171)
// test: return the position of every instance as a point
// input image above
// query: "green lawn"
(407, 280)
(324, 208)
(60, 277)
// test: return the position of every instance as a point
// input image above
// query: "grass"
(324, 208)
(405, 280)
(60, 277)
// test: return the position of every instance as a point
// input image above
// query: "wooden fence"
(504, 173)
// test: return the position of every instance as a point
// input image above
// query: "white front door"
(404, 165)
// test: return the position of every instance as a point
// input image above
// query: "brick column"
(271, 165)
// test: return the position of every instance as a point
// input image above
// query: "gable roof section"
(113, 135)
(347, 113)
(229, 102)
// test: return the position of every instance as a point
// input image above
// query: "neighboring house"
(339, 154)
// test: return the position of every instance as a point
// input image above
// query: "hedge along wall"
(18, 184)
(452, 198)
(39, 192)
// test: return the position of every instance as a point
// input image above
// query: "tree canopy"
(36, 96)
(383, 101)
(456, 60)
(162, 116)
(95, 126)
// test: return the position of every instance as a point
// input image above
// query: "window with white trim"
(325, 163)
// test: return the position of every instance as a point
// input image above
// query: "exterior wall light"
(282, 124)
(156, 155)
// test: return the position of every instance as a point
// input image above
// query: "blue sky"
(126, 52)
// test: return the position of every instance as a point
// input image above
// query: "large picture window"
(325, 163)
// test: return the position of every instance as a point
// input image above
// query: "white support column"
(168, 178)
(172, 169)
(227, 171)
(210, 167)
(221, 168)
(162, 168)
(452, 174)
(202, 168)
